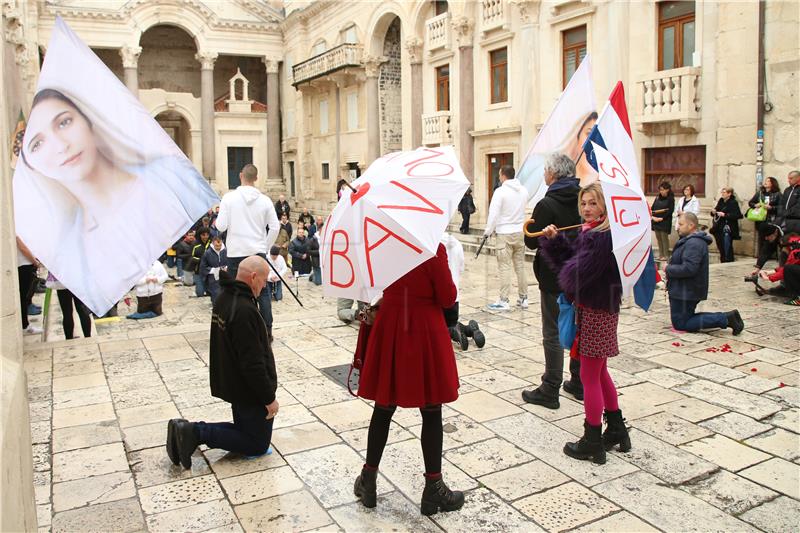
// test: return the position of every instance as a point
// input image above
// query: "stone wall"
(389, 90)
(167, 61)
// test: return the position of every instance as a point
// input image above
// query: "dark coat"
(732, 215)
(789, 212)
(183, 250)
(242, 367)
(198, 250)
(660, 203)
(297, 249)
(560, 207)
(687, 271)
(313, 251)
(282, 208)
(212, 259)
(305, 220)
(588, 271)
(772, 199)
(467, 205)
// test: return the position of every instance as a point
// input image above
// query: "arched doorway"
(390, 90)
(177, 127)
(168, 60)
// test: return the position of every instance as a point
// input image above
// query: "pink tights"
(598, 389)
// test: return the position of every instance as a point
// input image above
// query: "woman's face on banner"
(61, 143)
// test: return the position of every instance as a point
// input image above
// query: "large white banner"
(100, 189)
(564, 131)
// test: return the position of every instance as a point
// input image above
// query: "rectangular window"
(319, 48)
(443, 88)
(352, 111)
(573, 51)
(349, 35)
(326, 171)
(681, 166)
(440, 7)
(323, 117)
(498, 70)
(494, 163)
(353, 170)
(675, 35)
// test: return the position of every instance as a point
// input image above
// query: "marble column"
(372, 67)
(529, 30)
(274, 173)
(463, 29)
(414, 49)
(207, 60)
(130, 65)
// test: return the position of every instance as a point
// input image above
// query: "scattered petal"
(753, 369)
(782, 384)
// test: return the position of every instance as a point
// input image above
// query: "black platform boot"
(366, 488)
(473, 330)
(616, 432)
(589, 447)
(438, 497)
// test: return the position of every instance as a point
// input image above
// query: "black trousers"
(465, 222)
(791, 278)
(27, 279)
(66, 300)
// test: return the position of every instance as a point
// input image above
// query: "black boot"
(735, 321)
(438, 497)
(538, 397)
(186, 442)
(576, 389)
(366, 488)
(474, 331)
(172, 441)
(458, 335)
(589, 447)
(616, 432)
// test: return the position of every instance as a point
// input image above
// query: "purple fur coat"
(587, 269)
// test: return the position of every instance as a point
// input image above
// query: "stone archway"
(177, 127)
(168, 60)
(390, 89)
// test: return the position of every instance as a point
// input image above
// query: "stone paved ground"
(715, 427)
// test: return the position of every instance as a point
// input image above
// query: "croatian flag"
(613, 132)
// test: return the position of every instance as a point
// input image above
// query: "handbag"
(567, 327)
(756, 214)
(365, 317)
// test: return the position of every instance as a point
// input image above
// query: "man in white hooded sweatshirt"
(506, 218)
(251, 222)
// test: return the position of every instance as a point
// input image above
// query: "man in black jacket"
(560, 207)
(242, 372)
(789, 210)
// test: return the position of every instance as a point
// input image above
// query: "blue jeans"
(316, 276)
(249, 434)
(276, 288)
(213, 287)
(684, 318)
(170, 261)
(179, 263)
(199, 286)
(264, 299)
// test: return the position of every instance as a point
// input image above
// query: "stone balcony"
(669, 96)
(335, 59)
(436, 128)
(437, 32)
(494, 15)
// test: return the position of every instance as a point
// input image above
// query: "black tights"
(65, 300)
(431, 436)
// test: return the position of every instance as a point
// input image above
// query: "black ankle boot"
(186, 442)
(473, 330)
(438, 497)
(366, 487)
(589, 447)
(735, 321)
(616, 432)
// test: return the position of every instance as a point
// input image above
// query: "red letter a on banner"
(369, 247)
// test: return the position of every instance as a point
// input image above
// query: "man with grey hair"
(789, 208)
(560, 207)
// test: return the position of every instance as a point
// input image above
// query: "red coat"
(409, 360)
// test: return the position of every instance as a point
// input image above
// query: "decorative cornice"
(463, 28)
(130, 56)
(372, 65)
(206, 59)
(273, 65)
(414, 49)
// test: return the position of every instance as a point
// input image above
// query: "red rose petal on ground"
(677, 344)
(781, 384)
(753, 370)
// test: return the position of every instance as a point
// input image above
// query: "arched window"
(349, 35)
(319, 47)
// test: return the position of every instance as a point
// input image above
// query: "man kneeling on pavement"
(242, 373)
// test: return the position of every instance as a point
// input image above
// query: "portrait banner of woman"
(100, 189)
(564, 132)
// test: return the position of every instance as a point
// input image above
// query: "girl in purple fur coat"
(589, 276)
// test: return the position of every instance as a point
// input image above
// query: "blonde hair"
(597, 190)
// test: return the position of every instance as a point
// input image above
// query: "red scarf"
(586, 226)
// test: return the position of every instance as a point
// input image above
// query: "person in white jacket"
(688, 204)
(274, 284)
(251, 222)
(150, 289)
(506, 218)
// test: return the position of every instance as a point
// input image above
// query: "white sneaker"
(32, 330)
(522, 303)
(499, 305)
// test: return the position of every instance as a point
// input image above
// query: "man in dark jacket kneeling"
(687, 282)
(242, 372)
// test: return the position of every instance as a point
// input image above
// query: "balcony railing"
(494, 15)
(437, 32)
(670, 95)
(342, 56)
(436, 128)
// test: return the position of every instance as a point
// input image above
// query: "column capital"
(463, 28)
(272, 64)
(130, 56)
(206, 59)
(528, 11)
(372, 64)
(414, 49)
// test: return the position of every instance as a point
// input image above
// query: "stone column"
(372, 67)
(462, 27)
(207, 60)
(130, 64)
(529, 15)
(274, 174)
(414, 49)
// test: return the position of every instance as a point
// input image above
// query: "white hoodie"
(151, 288)
(245, 213)
(507, 210)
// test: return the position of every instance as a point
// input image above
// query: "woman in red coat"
(410, 362)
